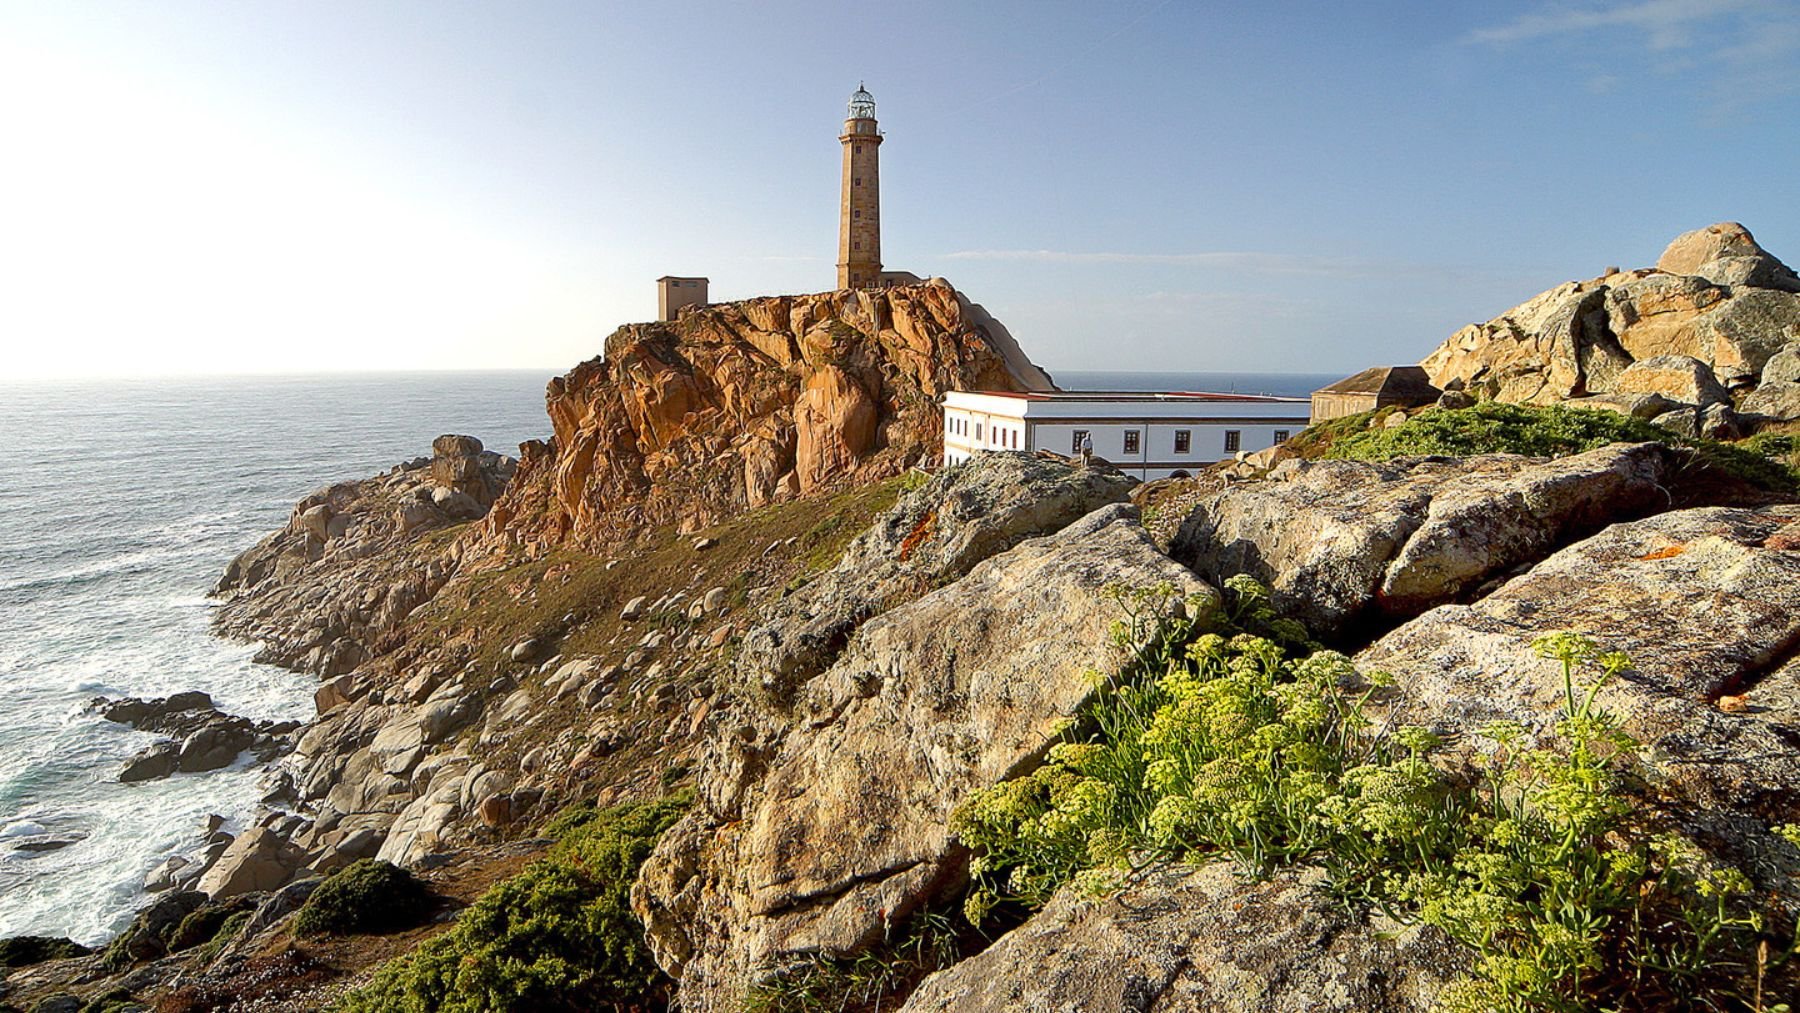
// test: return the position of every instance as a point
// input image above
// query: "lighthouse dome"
(862, 104)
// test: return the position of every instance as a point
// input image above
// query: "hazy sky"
(1141, 184)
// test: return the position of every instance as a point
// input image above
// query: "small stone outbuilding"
(1375, 387)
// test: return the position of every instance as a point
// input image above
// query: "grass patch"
(569, 599)
(874, 980)
(559, 936)
(1218, 744)
(368, 895)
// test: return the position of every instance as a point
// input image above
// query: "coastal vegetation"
(560, 935)
(1494, 427)
(368, 895)
(1228, 737)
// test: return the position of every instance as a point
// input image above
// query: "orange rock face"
(741, 404)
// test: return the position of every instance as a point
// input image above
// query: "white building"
(1146, 435)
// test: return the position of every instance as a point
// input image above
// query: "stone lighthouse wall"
(859, 222)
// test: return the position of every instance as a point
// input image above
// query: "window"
(1075, 440)
(977, 432)
(856, 245)
(1233, 439)
(1131, 441)
(1184, 440)
(1015, 436)
(1281, 436)
(856, 214)
(859, 181)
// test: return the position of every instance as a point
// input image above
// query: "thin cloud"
(1746, 48)
(1666, 24)
(1228, 260)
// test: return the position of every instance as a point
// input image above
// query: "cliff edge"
(738, 405)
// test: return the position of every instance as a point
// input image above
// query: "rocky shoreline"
(722, 574)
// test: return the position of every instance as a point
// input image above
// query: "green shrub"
(18, 951)
(558, 936)
(1492, 427)
(1238, 747)
(368, 895)
(227, 932)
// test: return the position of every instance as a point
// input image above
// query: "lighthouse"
(859, 219)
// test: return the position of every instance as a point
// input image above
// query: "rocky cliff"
(711, 579)
(741, 404)
(1697, 330)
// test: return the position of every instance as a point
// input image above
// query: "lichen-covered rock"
(740, 404)
(818, 837)
(1715, 296)
(1783, 366)
(1727, 254)
(1706, 602)
(933, 535)
(322, 603)
(1774, 400)
(1681, 378)
(1341, 542)
(1209, 939)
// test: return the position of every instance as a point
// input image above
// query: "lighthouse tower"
(859, 219)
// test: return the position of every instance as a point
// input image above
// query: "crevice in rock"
(1776, 658)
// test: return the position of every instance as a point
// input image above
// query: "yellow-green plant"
(1217, 743)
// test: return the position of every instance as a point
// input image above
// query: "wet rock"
(153, 761)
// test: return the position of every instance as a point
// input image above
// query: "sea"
(121, 502)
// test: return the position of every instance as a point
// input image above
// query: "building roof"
(1387, 381)
(1130, 395)
(678, 277)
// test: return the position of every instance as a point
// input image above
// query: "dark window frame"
(1234, 440)
(1134, 441)
(1184, 441)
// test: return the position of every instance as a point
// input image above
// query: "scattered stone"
(335, 693)
(165, 875)
(524, 650)
(702, 544)
(495, 811)
(714, 601)
(634, 609)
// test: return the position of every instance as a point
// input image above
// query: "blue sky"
(256, 186)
